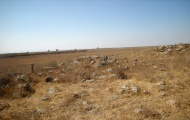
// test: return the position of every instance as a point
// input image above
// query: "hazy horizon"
(41, 25)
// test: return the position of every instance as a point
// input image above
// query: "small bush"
(6, 85)
(120, 74)
(53, 64)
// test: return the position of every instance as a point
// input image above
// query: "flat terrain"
(102, 84)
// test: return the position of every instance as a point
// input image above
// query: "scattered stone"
(41, 111)
(92, 62)
(112, 75)
(40, 74)
(91, 89)
(114, 97)
(76, 62)
(60, 64)
(109, 89)
(155, 67)
(138, 111)
(69, 68)
(125, 86)
(126, 67)
(48, 68)
(51, 71)
(56, 79)
(83, 80)
(62, 75)
(135, 89)
(168, 49)
(110, 70)
(84, 95)
(48, 79)
(162, 83)
(102, 77)
(174, 103)
(90, 81)
(22, 78)
(142, 61)
(94, 57)
(85, 102)
(45, 98)
(52, 90)
(162, 93)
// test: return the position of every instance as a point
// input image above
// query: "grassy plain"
(84, 91)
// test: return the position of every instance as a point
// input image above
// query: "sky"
(41, 25)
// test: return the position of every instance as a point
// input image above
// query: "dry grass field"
(102, 84)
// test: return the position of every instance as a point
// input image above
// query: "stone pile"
(97, 61)
(168, 49)
(129, 88)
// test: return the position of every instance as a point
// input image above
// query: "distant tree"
(57, 50)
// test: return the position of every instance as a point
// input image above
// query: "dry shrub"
(69, 78)
(17, 115)
(85, 74)
(33, 79)
(6, 85)
(9, 87)
(77, 72)
(146, 113)
(120, 73)
(53, 64)
(73, 77)
(69, 99)
(38, 68)
(180, 62)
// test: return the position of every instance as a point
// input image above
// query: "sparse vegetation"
(96, 84)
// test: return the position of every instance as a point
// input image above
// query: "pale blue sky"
(41, 25)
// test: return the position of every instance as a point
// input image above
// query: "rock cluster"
(132, 88)
(168, 49)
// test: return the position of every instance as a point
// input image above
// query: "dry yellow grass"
(102, 99)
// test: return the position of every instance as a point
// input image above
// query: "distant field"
(38, 53)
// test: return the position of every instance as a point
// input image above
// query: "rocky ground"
(103, 84)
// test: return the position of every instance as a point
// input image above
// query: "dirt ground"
(102, 84)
